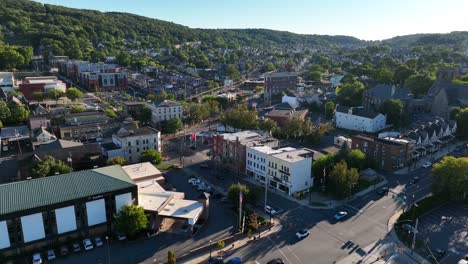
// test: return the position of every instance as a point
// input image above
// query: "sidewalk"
(229, 249)
(437, 155)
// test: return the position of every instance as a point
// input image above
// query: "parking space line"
(280, 251)
(294, 254)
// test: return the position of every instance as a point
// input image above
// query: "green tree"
(55, 94)
(350, 94)
(382, 75)
(356, 159)
(267, 125)
(171, 257)
(401, 74)
(232, 72)
(111, 113)
(240, 117)
(116, 161)
(221, 244)
(323, 165)
(449, 178)
(123, 58)
(268, 67)
(38, 96)
(419, 84)
(74, 94)
(151, 155)
(49, 166)
(329, 110)
(348, 78)
(173, 125)
(77, 108)
(144, 116)
(19, 113)
(342, 180)
(4, 112)
(247, 197)
(394, 110)
(462, 123)
(314, 76)
(130, 220)
(454, 112)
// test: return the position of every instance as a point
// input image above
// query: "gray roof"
(284, 106)
(280, 74)
(168, 103)
(58, 145)
(387, 92)
(126, 132)
(30, 194)
(357, 111)
(14, 131)
(457, 94)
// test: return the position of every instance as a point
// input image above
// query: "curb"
(391, 229)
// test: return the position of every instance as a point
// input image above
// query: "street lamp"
(210, 248)
(108, 250)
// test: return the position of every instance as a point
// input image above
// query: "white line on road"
(280, 251)
(294, 254)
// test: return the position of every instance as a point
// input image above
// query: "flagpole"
(240, 208)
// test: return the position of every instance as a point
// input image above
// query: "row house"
(288, 170)
(430, 137)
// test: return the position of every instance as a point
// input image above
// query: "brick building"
(277, 82)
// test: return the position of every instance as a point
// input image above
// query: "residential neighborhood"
(129, 139)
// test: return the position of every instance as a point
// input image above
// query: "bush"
(220, 244)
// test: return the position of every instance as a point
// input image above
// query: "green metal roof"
(24, 195)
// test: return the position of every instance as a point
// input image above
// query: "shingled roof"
(24, 195)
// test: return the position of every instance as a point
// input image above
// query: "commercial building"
(36, 212)
(288, 170)
(359, 119)
(130, 142)
(390, 153)
(43, 84)
(278, 82)
(87, 126)
(229, 150)
(165, 110)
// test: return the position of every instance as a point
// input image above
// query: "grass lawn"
(165, 166)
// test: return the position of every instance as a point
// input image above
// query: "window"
(129, 144)
(129, 151)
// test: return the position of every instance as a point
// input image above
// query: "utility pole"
(241, 198)
(414, 236)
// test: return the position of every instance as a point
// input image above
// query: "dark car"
(215, 260)
(383, 191)
(275, 261)
(204, 166)
(414, 180)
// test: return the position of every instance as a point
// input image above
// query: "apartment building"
(130, 142)
(42, 84)
(165, 110)
(278, 82)
(359, 119)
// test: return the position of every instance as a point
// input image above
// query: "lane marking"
(279, 249)
(294, 255)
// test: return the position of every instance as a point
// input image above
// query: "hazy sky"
(364, 19)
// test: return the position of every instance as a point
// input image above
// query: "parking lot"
(445, 228)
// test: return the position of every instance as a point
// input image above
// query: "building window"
(129, 151)
(129, 144)
(138, 150)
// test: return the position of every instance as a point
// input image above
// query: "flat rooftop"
(187, 209)
(141, 170)
(294, 155)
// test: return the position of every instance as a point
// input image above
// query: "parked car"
(63, 250)
(121, 237)
(414, 180)
(427, 164)
(302, 233)
(275, 261)
(234, 261)
(204, 166)
(340, 215)
(409, 227)
(36, 258)
(270, 210)
(51, 255)
(193, 181)
(215, 260)
(439, 253)
(87, 244)
(383, 191)
(76, 248)
(98, 242)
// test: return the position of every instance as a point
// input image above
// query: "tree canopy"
(74, 94)
(393, 108)
(450, 180)
(49, 166)
(151, 155)
(116, 161)
(350, 94)
(130, 220)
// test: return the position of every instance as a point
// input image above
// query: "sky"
(364, 19)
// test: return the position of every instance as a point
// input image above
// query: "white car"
(87, 244)
(340, 215)
(270, 210)
(193, 180)
(302, 233)
(427, 164)
(36, 258)
(51, 255)
(121, 237)
(98, 242)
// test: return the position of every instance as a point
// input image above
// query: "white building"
(166, 110)
(129, 143)
(288, 170)
(335, 80)
(292, 100)
(359, 119)
(7, 82)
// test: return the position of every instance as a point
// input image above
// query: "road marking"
(294, 254)
(279, 249)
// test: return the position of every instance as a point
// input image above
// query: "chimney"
(393, 90)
